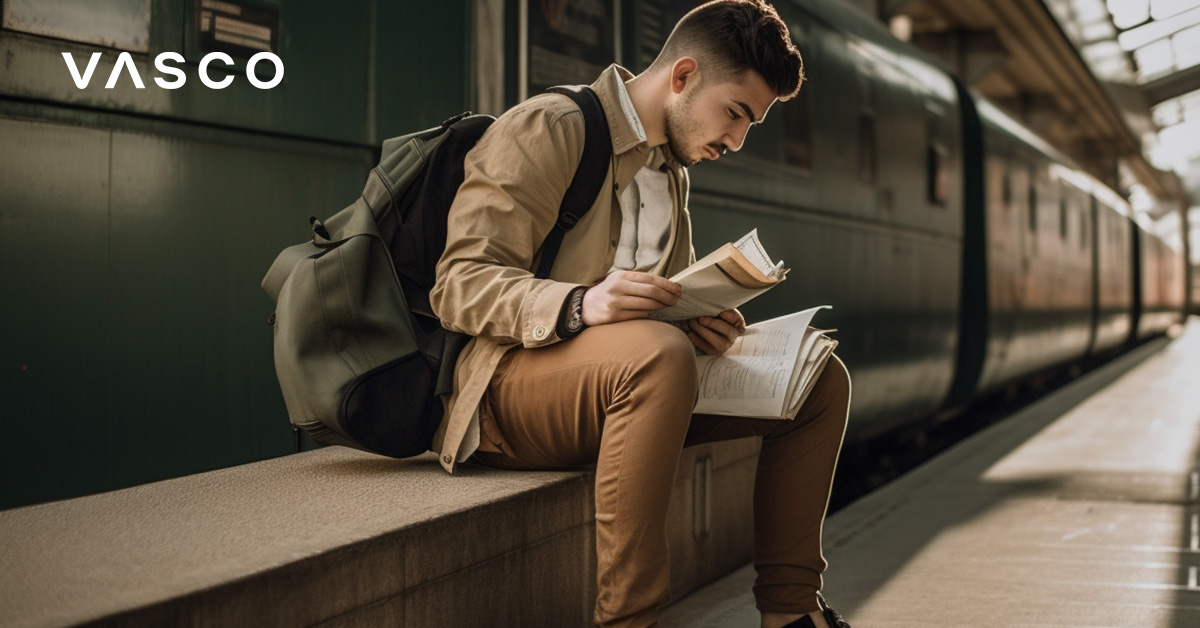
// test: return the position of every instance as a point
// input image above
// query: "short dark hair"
(732, 36)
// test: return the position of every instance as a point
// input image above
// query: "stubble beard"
(678, 126)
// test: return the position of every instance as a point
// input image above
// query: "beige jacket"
(514, 182)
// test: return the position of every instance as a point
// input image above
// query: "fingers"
(625, 295)
(735, 318)
(712, 335)
(660, 292)
(650, 286)
(649, 278)
(720, 326)
(716, 334)
(702, 344)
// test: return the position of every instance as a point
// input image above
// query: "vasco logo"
(125, 60)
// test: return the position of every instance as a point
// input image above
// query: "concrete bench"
(337, 537)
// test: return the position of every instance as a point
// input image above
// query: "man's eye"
(733, 115)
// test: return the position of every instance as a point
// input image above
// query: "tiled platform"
(1081, 510)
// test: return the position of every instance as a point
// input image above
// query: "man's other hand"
(626, 295)
(715, 334)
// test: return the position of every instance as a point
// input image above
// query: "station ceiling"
(1151, 50)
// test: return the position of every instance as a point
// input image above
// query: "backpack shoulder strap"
(589, 176)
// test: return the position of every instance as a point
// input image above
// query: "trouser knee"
(828, 404)
(662, 360)
(835, 393)
(837, 378)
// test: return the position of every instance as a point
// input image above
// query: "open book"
(768, 372)
(723, 280)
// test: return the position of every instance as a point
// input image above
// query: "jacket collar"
(623, 123)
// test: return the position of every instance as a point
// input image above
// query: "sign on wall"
(566, 42)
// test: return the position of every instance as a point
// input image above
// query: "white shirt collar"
(627, 107)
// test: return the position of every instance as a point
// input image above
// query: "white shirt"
(645, 206)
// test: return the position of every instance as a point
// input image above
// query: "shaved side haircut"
(728, 37)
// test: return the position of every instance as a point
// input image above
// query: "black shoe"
(831, 617)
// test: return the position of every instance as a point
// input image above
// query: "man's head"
(727, 62)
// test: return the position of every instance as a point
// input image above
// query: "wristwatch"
(570, 322)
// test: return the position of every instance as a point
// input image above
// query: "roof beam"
(971, 54)
(1172, 85)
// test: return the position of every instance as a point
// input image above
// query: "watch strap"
(570, 320)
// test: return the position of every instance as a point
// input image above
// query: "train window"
(866, 147)
(797, 131)
(1033, 206)
(935, 174)
(935, 160)
(1083, 229)
(1062, 219)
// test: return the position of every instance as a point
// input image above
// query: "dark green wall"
(135, 226)
(422, 64)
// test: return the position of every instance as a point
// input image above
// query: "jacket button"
(539, 332)
(446, 458)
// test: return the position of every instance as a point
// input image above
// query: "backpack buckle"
(567, 220)
(318, 227)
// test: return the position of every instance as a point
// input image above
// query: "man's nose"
(736, 137)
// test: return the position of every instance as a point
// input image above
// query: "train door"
(1093, 211)
(1029, 232)
(1076, 264)
(1135, 254)
(1025, 223)
(1005, 206)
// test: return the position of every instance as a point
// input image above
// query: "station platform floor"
(1083, 509)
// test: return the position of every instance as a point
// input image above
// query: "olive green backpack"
(361, 358)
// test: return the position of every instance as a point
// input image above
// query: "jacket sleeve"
(514, 181)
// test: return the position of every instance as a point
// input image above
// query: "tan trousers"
(620, 396)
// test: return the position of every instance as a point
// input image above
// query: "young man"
(568, 372)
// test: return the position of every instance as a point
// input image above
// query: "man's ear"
(684, 72)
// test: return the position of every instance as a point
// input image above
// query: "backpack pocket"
(391, 409)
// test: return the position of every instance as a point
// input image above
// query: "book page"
(706, 292)
(813, 366)
(754, 378)
(724, 279)
(750, 247)
(811, 338)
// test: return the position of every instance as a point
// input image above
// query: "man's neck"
(645, 92)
